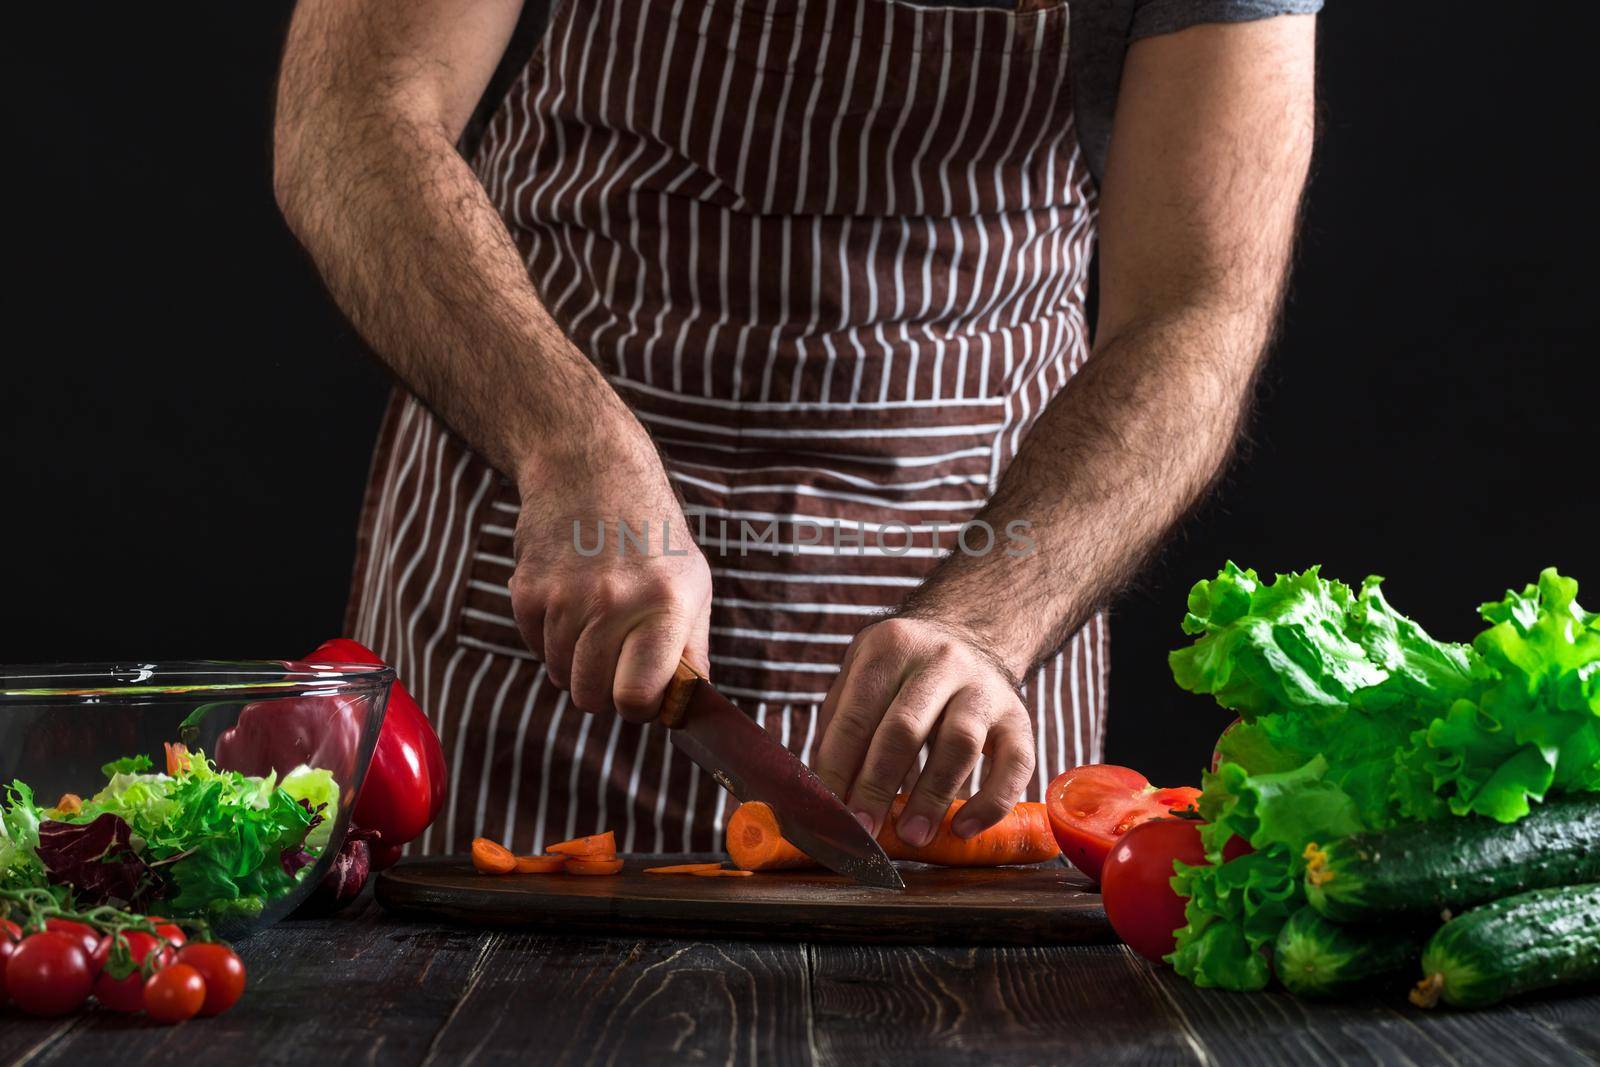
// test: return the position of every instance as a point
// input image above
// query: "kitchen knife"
(750, 763)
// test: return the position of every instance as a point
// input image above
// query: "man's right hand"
(611, 625)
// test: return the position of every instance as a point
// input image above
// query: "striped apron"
(834, 254)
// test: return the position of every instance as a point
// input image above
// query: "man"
(808, 268)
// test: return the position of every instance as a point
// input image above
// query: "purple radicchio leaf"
(297, 858)
(98, 861)
(345, 878)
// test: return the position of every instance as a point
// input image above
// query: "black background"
(187, 422)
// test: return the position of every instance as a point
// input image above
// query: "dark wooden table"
(372, 990)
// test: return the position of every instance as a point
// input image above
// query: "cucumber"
(1454, 863)
(1536, 940)
(1315, 957)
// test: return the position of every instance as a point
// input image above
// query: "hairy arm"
(1208, 159)
(371, 100)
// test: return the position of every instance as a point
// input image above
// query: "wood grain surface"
(1044, 904)
(367, 988)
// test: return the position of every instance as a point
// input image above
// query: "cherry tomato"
(127, 993)
(1136, 885)
(170, 930)
(49, 974)
(174, 994)
(10, 934)
(1091, 807)
(222, 971)
(87, 936)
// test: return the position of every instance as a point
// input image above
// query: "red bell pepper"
(405, 784)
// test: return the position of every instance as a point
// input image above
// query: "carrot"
(491, 858)
(720, 873)
(1023, 836)
(69, 804)
(541, 864)
(594, 846)
(589, 866)
(684, 868)
(755, 844)
(177, 758)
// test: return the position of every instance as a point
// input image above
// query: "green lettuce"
(223, 833)
(19, 838)
(1354, 718)
(220, 840)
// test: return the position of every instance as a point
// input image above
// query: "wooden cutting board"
(1048, 903)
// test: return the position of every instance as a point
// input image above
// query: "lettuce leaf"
(1532, 727)
(19, 839)
(218, 837)
(1355, 718)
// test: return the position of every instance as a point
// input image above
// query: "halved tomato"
(1091, 808)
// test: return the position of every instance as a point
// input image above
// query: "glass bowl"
(240, 838)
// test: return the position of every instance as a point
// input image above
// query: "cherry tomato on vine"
(223, 972)
(170, 930)
(174, 994)
(127, 993)
(49, 974)
(10, 934)
(83, 934)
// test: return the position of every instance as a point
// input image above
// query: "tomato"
(10, 934)
(174, 994)
(1136, 884)
(222, 971)
(1091, 807)
(127, 993)
(169, 930)
(49, 974)
(85, 935)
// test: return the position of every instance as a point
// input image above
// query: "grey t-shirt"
(1101, 33)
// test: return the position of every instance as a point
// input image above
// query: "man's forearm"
(418, 258)
(1201, 195)
(1110, 467)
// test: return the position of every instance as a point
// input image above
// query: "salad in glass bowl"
(218, 791)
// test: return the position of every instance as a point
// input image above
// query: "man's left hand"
(907, 682)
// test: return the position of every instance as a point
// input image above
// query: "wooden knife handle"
(676, 702)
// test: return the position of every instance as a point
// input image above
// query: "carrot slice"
(684, 868)
(541, 864)
(723, 874)
(491, 858)
(755, 843)
(594, 845)
(585, 866)
(177, 758)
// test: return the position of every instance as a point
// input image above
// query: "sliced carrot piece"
(756, 844)
(541, 864)
(593, 845)
(593, 866)
(491, 858)
(684, 868)
(723, 874)
(177, 758)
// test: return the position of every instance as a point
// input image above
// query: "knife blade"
(752, 765)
